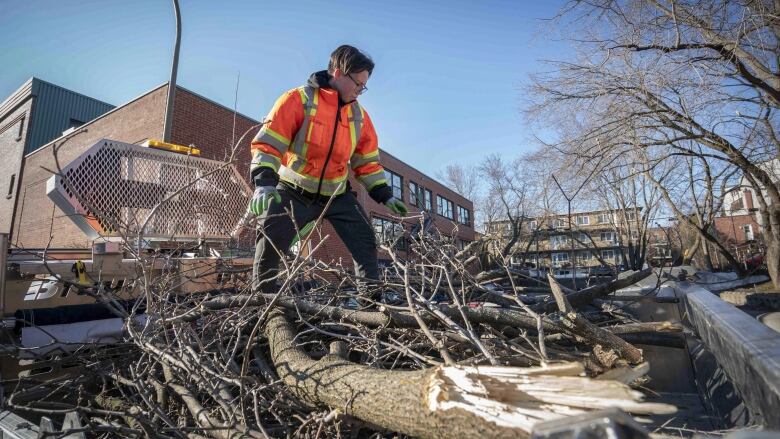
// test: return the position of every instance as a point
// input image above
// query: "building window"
(21, 129)
(635, 235)
(464, 216)
(584, 238)
(748, 229)
(608, 255)
(631, 215)
(419, 196)
(11, 187)
(604, 218)
(415, 194)
(583, 220)
(608, 237)
(387, 231)
(396, 183)
(444, 207)
(558, 242)
(559, 259)
(584, 256)
(532, 225)
(560, 223)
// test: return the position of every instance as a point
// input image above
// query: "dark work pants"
(276, 232)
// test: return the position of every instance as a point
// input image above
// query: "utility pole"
(172, 81)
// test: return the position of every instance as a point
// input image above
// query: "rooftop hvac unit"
(110, 190)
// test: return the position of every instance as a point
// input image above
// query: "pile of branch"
(430, 350)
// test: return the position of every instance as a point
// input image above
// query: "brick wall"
(408, 173)
(13, 137)
(209, 126)
(731, 228)
(196, 120)
(36, 217)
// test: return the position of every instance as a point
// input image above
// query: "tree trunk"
(389, 399)
(587, 330)
(705, 251)
(690, 252)
(773, 261)
(771, 219)
(446, 401)
(587, 295)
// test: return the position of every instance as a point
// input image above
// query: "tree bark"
(393, 400)
(705, 252)
(446, 401)
(688, 253)
(590, 332)
(773, 261)
(587, 295)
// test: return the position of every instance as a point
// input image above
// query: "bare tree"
(633, 202)
(518, 192)
(467, 181)
(463, 180)
(696, 79)
(505, 187)
(695, 196)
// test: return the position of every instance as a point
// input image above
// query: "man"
(300, 158)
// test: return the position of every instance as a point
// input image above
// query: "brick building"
(551, 242)
(33, 115)
(662, 248)
(741, 234)
(200, 122)
(742, 199)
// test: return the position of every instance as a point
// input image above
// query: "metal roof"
(56, 109)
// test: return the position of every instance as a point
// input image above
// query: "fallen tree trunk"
(393, 400)
(587, 295)
(446, 401)
(592, 334)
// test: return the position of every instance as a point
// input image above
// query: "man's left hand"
(397, 206)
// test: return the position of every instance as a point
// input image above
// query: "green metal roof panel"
(56, 109)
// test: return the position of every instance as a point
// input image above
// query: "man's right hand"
(262, 199)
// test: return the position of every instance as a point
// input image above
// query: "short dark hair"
(350, 60)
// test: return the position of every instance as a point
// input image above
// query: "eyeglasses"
(361, 87)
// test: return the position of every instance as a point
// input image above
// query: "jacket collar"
(321, 80)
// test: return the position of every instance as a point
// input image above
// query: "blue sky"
(447, 87)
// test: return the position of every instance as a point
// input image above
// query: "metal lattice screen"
(113, 187)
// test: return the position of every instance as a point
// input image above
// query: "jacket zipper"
(330, 151)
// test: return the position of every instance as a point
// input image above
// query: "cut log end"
(518, 398)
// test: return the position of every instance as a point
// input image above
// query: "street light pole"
(172, 81)
(571, 237)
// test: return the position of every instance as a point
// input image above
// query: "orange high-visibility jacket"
(308, 139)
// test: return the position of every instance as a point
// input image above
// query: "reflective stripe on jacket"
(298, 142)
